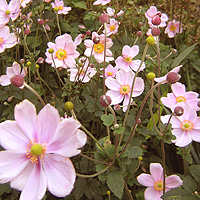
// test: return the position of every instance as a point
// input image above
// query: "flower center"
(128, 59)
(60, 7)
(125, 89)
(61, 54)
(109, 73)
(98, 48)
(1, 40)
(112, 27)
(34, 150)
(172, 28)
(7, 12)
(158, 185)
(187, 125)
(180, 99)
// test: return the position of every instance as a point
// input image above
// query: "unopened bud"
(174, 51)
(150, 76)
(173, 77)
(40, 60)
(139, 121)
(116, 126)
(104, 18)
(139, 33)
(151, 40)
(108, 192)
(92, 65)
(96, 40)
(156, 20)
(147, 56)
(41, 22)
(178, 111)
(23, 17)
(82, 35)
(27, 31)
(37, 66)
(141, 24)
(155, 31)
(69, 105)
(117, 107)
(22, 61)
(140, 158)
(17, 80)
(51, 50)
(56, 9)
(105, 100)
(28, 63)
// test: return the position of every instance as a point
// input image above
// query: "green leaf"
(195, 171)
(107, 119)
(120, 130)
(183, 55)
(115, 182)
(189, 184)
(80, 4)
(134, 152)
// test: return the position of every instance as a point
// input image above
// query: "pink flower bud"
(139, 33)
(96, 39)
(17, 80)
(41, 22)
(141, 24)
(23, 17)
(178, 111)
(139, 121)
(156, 20)
(104, 18)
(88, 32)
(174, 51)
(82, 35)
(40, 60)
(173, 77)
(105, 100)
(22, 61)
(27, 31)
(117, 107)
(155, 31)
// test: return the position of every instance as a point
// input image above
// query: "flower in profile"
(12, 74)
(84, 73)
(152, 12)
(110, 71)
(154, 182)
(9, 11)
(24, 3)
(185, 127)
(126, 61)
(37, 151)
(163, 78)
(120, 87)
(111, 12)
(101, 2)
(64, 54)
(180, 95)
(60, 5)
(112, 27)
(97, 50)
(173, 27)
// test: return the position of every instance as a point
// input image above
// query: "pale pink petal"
(70, 47)
(195, 135)
(112, 84)
(82, 138)
(168, 102)
(11, 40)
(165, 119)
(134, 50)
(60, 42)
(115, 96)
(164, 17)
(70, 61)
(138, 87)
(5, 80)
(156, 171)
(184, 139)
(88, 43)
(196, 123)
(178, 89)
(176, 122)
(191, 95)
(12, 137)
(48, 120)
(25, 116)
(135, 65)
(11, 165)
(125, 102)
(120, 62)
(60, 174)
(173, 181)
(151, 11)
(152, 194)
(124, 77)
(16, 68)
(88, 52)
(36, 185)
(126, 50)
(146, 180)
(78, 39)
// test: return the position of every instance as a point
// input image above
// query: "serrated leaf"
(183, 55)
(119, 131)
(115, 182)
(195, 171)
(134, 152)
(107, 119)
(189, 184)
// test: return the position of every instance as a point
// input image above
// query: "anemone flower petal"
(112, 84)
(156, 171)
(152, 194)
(178, 89)
(146, 180)
(115, 96)
(184, 139)
(173, 181)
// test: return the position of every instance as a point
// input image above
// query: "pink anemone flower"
(126, 61)
(97, 50)
(180, 95)
(111, 12)
(7, 39)
(14, 71)
(38, 148)
(64, 54)
(102, 2)
(7, 11)
(154, 182)
(112, 27)
(120, 87)
(60, 4)
(152, 12)
(185, 127)
(24, 3)
(173, 28)
(110, 71)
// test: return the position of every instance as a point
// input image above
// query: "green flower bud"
(150, 76)
(37, 66)
(51, 50)
(56, 9)
(151, 40)
(140, 158)
(108, 192)
(69, 105)
(28, 63)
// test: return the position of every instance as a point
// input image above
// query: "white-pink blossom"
(173, 27)
(62, 9)
(101, 2)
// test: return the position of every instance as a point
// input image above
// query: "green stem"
(127, 191)
(97, 161)
(58, 23)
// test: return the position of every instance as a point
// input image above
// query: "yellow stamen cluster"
(61, 54)
(187, 125)
(125, 89)
(109, 73)
(158, 185)
(173, 28)
(60, 7)
(128, 59)
(1, 40)
(180, 99)
(98, 48)
(112, 27)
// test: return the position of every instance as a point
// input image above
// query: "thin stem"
(127, 191)
(163, 163)
(46, 32)
(58, 23)
(97, 161)
(104, 59)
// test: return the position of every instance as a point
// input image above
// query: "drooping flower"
(120, 87)
(7, 11)
(111, 12)
(110, 71)
(180, 95)
(24, 3)
(112, 27)
(173, 28)
(101, 2)
(60, 4)
(37, 151)
(64, 52)
(126, 60)
(185, 127)
(154, 182)
(84, 73)
(98, 49)
(160, 79)
(152, 12)
(13, 72)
